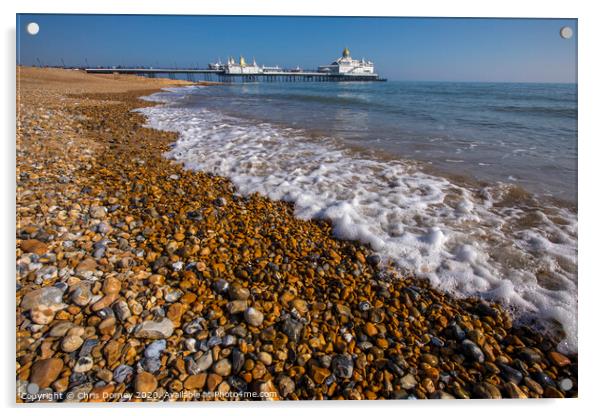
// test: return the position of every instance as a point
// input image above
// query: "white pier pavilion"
(242, 67)
(346, 65)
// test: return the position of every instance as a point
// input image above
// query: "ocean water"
(470, 185)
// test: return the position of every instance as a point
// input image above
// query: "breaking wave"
(496, 242)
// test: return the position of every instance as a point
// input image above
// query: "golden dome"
(346, 53)
(242, 61)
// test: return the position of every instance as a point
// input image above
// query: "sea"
(470, 185)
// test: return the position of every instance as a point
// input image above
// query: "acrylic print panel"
(299, 208)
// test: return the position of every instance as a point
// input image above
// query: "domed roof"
(346, 53)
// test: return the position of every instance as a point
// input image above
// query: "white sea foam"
(466, 241)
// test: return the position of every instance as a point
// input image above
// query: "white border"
(590, 139)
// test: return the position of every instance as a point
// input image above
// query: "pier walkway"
(222, 76)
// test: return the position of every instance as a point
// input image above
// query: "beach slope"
(139, 280)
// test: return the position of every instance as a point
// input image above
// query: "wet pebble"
(123, 373)
(293, 329)
(253, 317)
(223, 367)
(145, 383)
(408, 382)
(510, 374)
(472, 351)
(154, 349)
(204, 361)
(83, 364)
(71, 343)
(155, 329)
(342, 366)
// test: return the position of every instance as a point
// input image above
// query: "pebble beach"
(138, 280)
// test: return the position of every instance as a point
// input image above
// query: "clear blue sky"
(516, 50)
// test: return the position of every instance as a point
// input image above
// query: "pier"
(223, 76)
(343, 69)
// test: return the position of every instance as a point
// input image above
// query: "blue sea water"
(521, 133)
(470, 185)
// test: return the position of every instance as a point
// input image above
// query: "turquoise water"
(525, 134)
